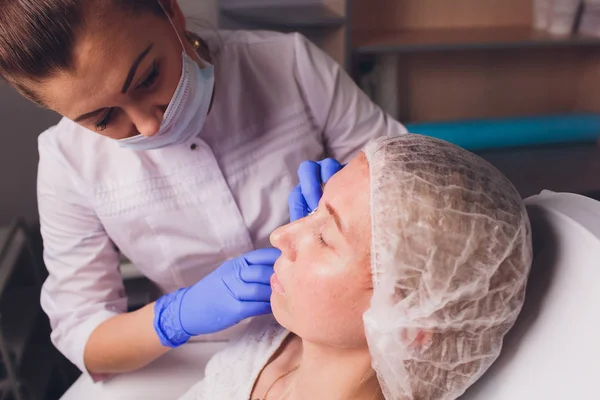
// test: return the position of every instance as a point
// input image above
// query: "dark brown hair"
(37, 37)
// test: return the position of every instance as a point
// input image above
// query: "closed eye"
(151, 78)
(103, 123)
(321, 240)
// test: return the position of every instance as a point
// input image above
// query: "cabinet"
(325, 22)
(439, 61)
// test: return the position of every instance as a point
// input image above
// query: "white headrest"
(553, 352)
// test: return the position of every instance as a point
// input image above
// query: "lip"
(276, 285)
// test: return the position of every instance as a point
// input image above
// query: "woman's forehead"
(102, 58)
(110, 41)
(352, 177)
(348, 193)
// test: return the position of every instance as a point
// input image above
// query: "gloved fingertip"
(330, 164)
(329, 167)
(309, 174)
(298, 212)
(297, 190)
(294, 216)
(307, 167)
(297, 204)
(312, 199)
(266, 256)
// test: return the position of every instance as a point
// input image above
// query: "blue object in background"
(498, 133)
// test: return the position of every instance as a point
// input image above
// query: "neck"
(336, 374)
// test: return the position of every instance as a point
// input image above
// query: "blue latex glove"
(238, 289)
(305, 197)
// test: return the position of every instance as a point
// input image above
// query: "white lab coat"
(178, 212)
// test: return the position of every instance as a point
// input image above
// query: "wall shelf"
(325, 22)
(434, 60)
(291, 17)
(463, 39)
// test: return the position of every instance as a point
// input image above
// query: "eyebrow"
(332, 212)
(335, 216)
(126, 85)
(134, 67)
(89, 115)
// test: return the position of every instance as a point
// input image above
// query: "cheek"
(326, 304)
(314, 286)
(319, 276)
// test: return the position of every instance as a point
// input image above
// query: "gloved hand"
(238, 289)
(305, 197)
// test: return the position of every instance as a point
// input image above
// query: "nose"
(284, 239)
(147, 121)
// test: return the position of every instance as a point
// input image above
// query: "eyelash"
(146, 84)
(321, 240)
(101, 125)
(154, 74)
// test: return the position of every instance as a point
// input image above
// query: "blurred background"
(516, 81)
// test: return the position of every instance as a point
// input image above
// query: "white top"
(552, 352)
(178, 212)
(232, 373)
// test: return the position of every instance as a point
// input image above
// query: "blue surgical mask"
(187, 111)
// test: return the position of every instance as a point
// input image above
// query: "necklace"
(363, 380)
(277, 380)
(366, 377)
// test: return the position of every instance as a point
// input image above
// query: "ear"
(415, 339)
(423, 339)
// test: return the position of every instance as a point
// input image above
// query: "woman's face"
(126, 69)
(322, 284)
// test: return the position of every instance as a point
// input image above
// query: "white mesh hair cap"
(450, 255)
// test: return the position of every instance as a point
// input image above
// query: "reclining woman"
(401, 285)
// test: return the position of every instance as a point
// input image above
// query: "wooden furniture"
(440, 60)
(466, 59)
(325, 22)
(437, 60)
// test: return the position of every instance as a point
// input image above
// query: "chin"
(280, 312)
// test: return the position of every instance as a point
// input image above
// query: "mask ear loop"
(173, 25)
